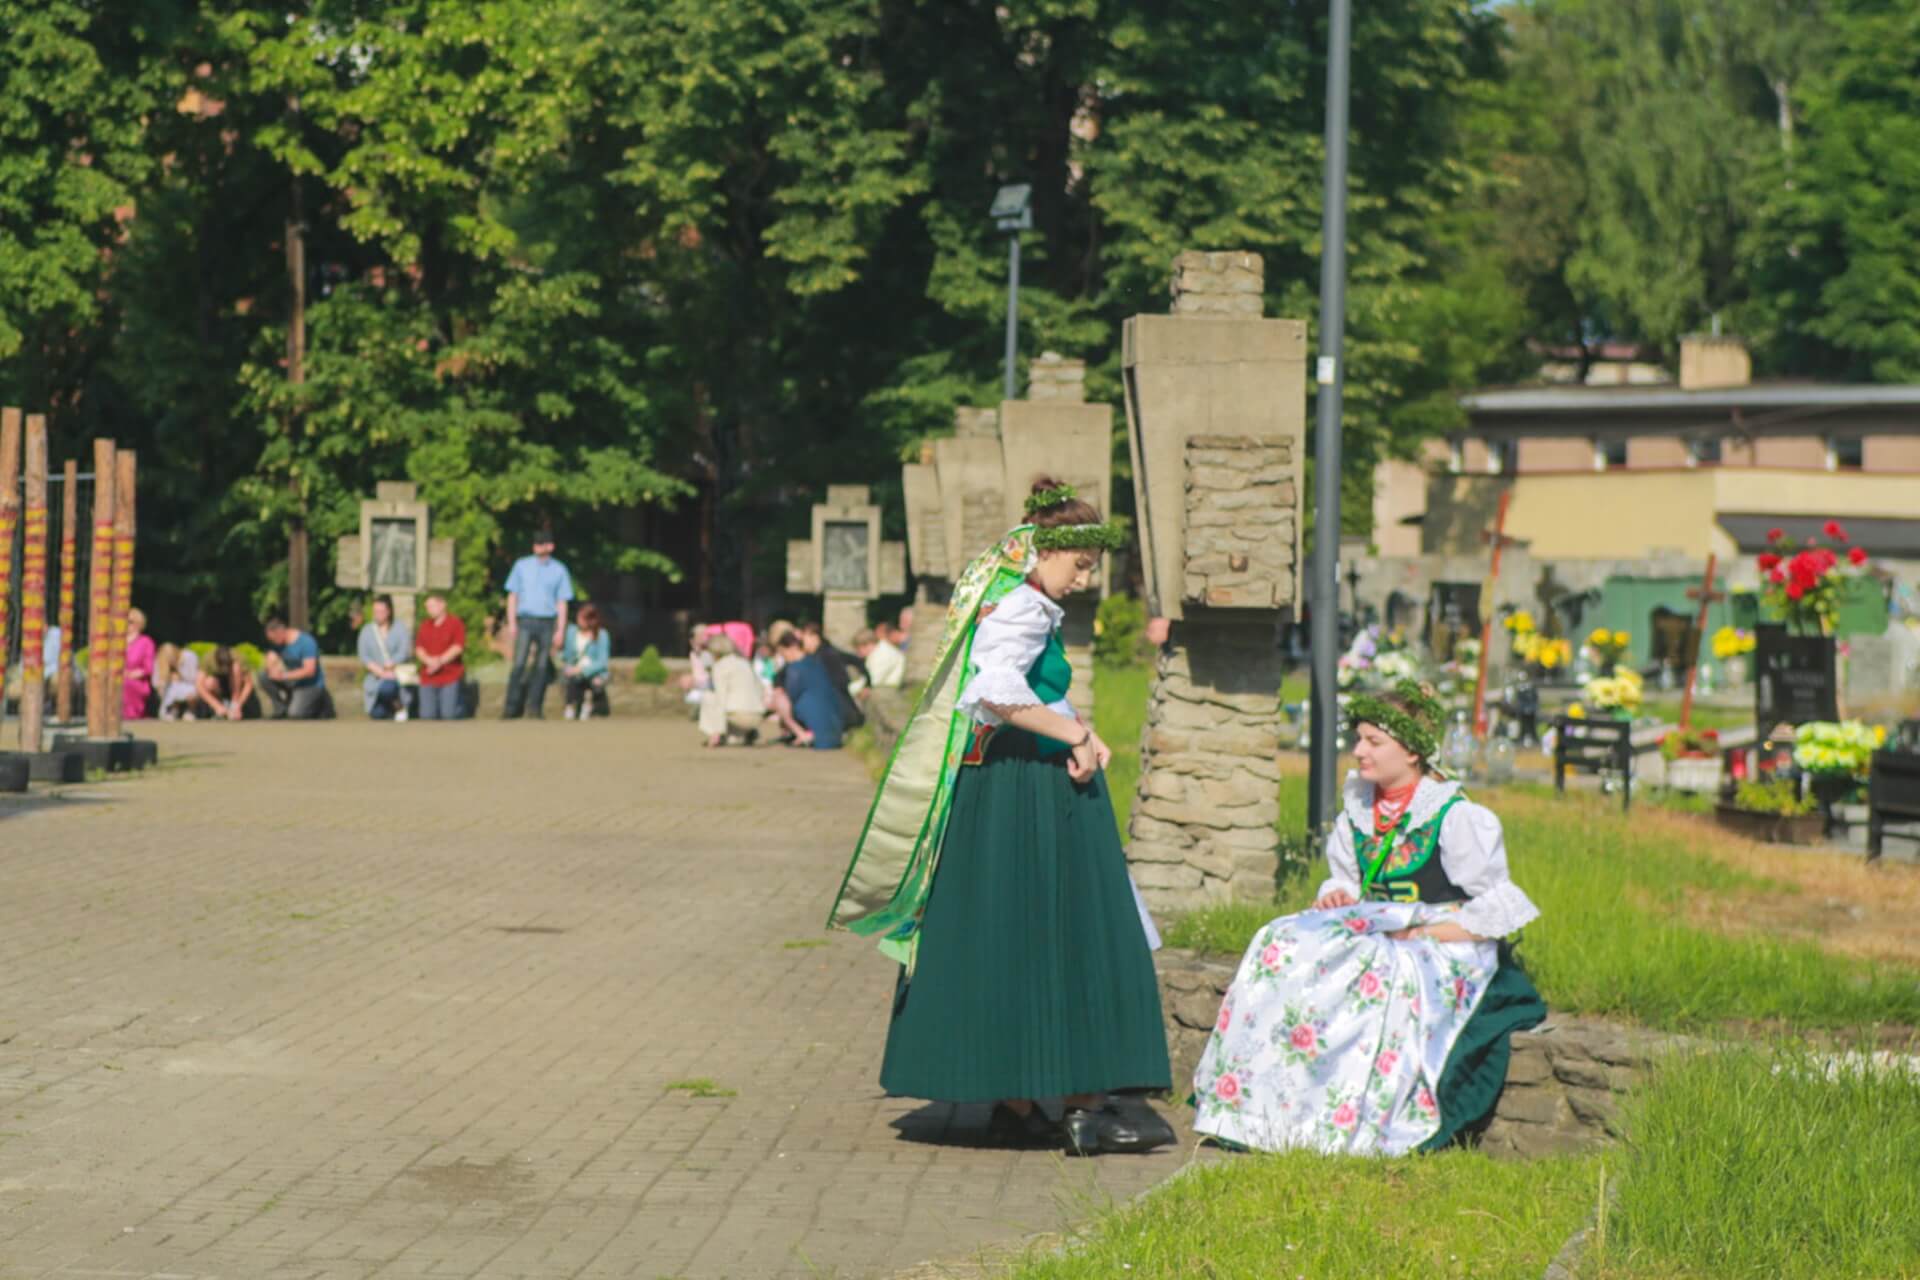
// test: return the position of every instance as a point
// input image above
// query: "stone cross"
(1216, 411)
(845, 562)
(393, 554)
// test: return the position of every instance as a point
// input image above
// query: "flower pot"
(1771, 828)
(1698, 774)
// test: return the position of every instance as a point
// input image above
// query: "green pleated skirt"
(1476, 1069)
(1034, 978)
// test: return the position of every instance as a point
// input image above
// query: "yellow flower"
(1576, 712)
(1601, 638)
(1623, 638)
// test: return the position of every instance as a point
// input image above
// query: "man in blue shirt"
(293, 679)
(538, 590)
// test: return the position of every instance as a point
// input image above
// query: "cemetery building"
(1703, 465)
(1619, 491)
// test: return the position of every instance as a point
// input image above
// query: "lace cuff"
(1328, 885)
(1500, 911)
(1001, 686)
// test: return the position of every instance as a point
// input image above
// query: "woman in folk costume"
(1378, 1021)
(991, 869)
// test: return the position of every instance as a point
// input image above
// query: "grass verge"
(1754, 1163)
(1299, 1214)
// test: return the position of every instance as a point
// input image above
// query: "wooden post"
(100, 597)
(69, 572)
(1706, 595)
(123, 483)
(1486, 617)
(9, 517)
(297, 557)
(33, 590)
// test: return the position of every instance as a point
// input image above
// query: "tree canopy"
(654, 275)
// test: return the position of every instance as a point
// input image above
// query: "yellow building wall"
(1627, 515)
(1613, 515)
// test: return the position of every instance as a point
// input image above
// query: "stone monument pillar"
(1216, 411)
(393, 553)
(845, 562)
(972, 486)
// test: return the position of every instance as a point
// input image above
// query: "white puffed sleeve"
(1341, 861)
(1006, 644)
(1473, 851)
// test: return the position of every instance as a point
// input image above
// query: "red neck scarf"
(1389, 805)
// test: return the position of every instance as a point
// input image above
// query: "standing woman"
(991, 867)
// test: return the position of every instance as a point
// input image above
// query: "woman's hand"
(1440, 931)
(1102, 753)
(1333, 898)
(1084, 762)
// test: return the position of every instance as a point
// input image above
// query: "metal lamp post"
(1012, 213)
(1330, 375)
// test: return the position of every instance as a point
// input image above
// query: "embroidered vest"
(1398, 865)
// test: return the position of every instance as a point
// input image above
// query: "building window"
(1703, 451)
(1609, 455)
(1845, 453)
(1501, 456)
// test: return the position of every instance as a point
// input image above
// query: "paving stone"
(345, 999)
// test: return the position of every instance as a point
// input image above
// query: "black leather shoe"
(1153, 1127)
(1107, 1130)
(1011, 1129)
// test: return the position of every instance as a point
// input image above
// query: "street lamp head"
(1013, 208)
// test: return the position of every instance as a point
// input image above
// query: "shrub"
(650, 669)
(1120, 632)
(251, 654)
(1779, 796)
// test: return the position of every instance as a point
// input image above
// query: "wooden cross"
(1498, 539)
(1707, 596)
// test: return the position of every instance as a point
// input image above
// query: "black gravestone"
(1794, 678)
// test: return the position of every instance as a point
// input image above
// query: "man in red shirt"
(439, 645)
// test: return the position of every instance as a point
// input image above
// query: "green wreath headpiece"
(1110, 536)
(1417, 728)
(1051, 498)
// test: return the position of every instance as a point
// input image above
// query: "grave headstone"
(1216, 411)
(1795, 680)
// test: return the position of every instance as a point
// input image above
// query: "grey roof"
(1630, 399)
(1880, 535)
(1777, 406)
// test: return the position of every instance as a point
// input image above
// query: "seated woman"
(177, 677)
(806, 702)
(583, 664)
(136, 690)
(738, 703)
(1378, 1021)
(227, 688)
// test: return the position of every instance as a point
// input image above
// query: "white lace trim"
(1005, 646)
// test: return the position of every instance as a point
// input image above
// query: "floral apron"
(1333, 1035)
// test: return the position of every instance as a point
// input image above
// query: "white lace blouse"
(1006, 644)
(1473, 852)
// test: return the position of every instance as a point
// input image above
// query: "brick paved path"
(353, 1000)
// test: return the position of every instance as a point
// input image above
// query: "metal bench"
(1594, 746)
(1893, 793)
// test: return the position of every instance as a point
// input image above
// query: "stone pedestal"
(1203, 826)
(1216, 410)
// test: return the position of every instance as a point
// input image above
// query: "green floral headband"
(1110, 536)
(1051, 498)
(1417, 728)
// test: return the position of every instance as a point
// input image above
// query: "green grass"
(1748, 1163)
(1299, 1214)
(1751, 1163)
(1614, 938)
(701, 1087)
(1119, 714)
